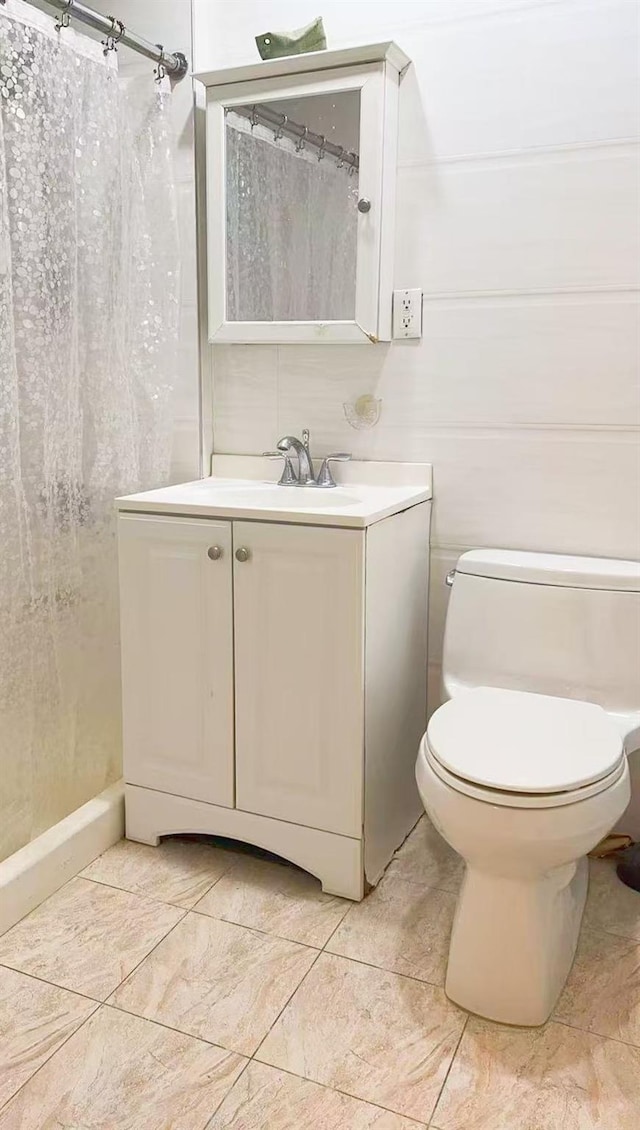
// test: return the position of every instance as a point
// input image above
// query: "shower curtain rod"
(281, 124)
(175, 64)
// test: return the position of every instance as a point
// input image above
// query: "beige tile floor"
(189, 987)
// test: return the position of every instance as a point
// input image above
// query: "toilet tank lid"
(552, 569)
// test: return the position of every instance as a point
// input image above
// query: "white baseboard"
(38, 869)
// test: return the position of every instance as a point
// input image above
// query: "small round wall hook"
(64, 19)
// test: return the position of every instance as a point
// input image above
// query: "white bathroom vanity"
(274, 657)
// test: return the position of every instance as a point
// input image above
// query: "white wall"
(517, 215)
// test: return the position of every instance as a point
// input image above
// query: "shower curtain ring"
(64, 19)
(302, 141)
(160, 71)
(254, 117)
(321, 150)
(112, 40)
(340, 164)
(278, 133)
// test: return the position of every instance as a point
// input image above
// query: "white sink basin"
(294, 498)
(357, 503)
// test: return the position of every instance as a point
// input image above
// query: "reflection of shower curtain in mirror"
(291, 230)
(88, 323)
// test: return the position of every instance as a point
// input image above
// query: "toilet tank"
(563, 626)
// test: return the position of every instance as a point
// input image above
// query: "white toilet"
(524, 769)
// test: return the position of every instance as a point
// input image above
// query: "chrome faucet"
(305, 476)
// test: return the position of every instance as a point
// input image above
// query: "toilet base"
(513, 942)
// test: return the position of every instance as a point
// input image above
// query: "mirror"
(291, 237)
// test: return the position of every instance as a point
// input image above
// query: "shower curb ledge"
(38, 869)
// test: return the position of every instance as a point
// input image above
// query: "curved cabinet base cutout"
(335, 860)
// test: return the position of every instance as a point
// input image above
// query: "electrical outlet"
(407, 313)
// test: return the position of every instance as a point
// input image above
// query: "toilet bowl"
(522, 786)
(527, 764)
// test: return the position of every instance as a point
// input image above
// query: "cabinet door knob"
(364, 205)
(214, 552)
(243, 554)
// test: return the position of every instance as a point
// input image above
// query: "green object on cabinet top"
(275, 44)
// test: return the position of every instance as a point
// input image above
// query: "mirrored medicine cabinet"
(300, 171)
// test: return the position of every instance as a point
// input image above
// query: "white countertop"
(366, 493)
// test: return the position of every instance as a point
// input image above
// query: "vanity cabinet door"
(177, 655)
(298, 607)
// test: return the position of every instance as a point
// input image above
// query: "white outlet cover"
(407, 313)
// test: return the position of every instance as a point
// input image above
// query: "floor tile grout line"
(224, 1098)
(448, 1072)
(94, 1011)
(588, 1032)
(589, 928)
(50, 984)
(285, 1006)
(143, 959)
(340, 923)
(254, 929)
(170, 1028)
(214, 884)
(142, 894)
(338, 1091)
(383, 969)
(128, 891)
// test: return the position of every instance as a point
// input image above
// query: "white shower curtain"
(88, 330)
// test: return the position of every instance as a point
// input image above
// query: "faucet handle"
(288, 477)
(325, 478)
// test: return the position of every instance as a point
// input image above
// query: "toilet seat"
(523, 750)
(518, 800)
